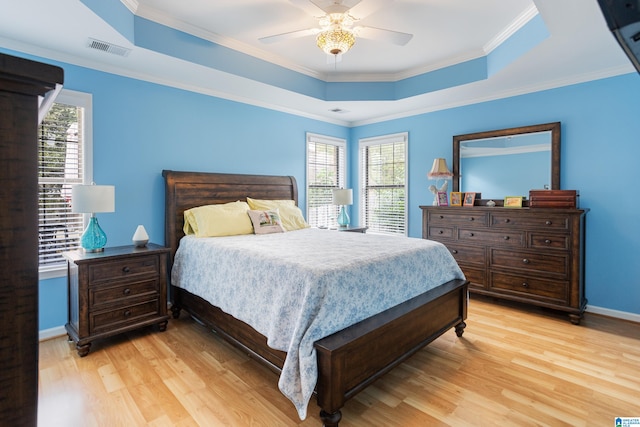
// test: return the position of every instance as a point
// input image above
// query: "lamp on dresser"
(439, 170)
(343, 197)
(93, 199)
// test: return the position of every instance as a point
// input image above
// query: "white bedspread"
(300, 286)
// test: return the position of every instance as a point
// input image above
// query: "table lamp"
(439, 170)
(93, 199)
(343, 197)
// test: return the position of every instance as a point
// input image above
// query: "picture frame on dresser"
(513, 201)
(469, 199)
(442, 198)
(456, 198)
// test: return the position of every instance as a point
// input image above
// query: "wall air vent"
(108, 47)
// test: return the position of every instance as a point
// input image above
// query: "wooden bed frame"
(349, 360)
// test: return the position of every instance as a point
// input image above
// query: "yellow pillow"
(290, 214)
(227, 219)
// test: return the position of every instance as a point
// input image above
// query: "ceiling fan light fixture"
(335, 41)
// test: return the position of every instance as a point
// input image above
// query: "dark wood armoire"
(22, 84)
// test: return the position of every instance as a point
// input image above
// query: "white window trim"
(323, 139)
(378, 140)
(84, 100)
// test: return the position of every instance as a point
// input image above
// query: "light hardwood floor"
(514, 366)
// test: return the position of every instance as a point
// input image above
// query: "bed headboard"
(185, 190)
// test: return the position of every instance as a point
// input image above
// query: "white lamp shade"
(343, 197)
(93, 198)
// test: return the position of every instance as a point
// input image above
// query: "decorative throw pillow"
(228, 219)
(266, 222)
(290, 214)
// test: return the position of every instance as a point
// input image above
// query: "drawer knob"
(440, 232)
(526, 261)
(548, 222)
(126, 291)
(471, 234)
(506, 237)
(472, 219)
(547, 241)
(454, 251)
(441, 216)
(525, 285)
(126, 269)
(507, 220)
(127, 313)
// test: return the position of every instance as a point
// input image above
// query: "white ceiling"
(445, 32)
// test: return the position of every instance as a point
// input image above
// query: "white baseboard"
(633, 317)
(56, 332)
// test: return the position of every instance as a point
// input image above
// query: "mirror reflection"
(495, 166)
(507, 162)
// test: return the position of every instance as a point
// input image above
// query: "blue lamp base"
(343, 218)
(93, 239)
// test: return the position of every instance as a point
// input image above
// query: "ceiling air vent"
(108, 47)
(338, 110)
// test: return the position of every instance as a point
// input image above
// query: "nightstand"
(115, 291)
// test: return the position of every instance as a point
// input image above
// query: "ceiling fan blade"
(290, 35)
(335, 6)
(363, 9)
(390, 36)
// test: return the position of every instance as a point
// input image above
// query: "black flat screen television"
(623, 19)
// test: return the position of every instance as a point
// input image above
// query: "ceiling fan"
(336, 33)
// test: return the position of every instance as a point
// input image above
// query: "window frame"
(365, 143)
(82, 100)
(341, 164)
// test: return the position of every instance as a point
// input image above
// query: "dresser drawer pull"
(471, 234)
(526, 261)
(127, 313)
(506, 237)
(507, 220)
(126, 269)
(454, 251)
(472, 219)
(441, 216)
(440, 232)
(525, 285)
(547, 241)
(548, 222)
(127, 291)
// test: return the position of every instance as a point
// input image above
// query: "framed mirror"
(507, 162)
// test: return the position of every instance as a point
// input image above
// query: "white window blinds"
(61, 164)
(383, 180)
(325, 171)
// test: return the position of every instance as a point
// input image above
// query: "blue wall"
(142, 128)
(600, 150)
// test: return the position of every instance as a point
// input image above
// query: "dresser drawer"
(524, 221)
(459, 216)
(548, 241)
(437, 233)
(553, 291)
(556, 265)
(118, 269)
(107, 320)
(506, 238)
(467, 254)
(123, 294)
(475, 276)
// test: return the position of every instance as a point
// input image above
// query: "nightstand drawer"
(133, 266)
(100, 296)
(108, 320)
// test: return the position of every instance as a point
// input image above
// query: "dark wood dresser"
(533, 256)
(115, 291)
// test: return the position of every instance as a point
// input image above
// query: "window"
(64, 153)
(326, 170)
(383, 180)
